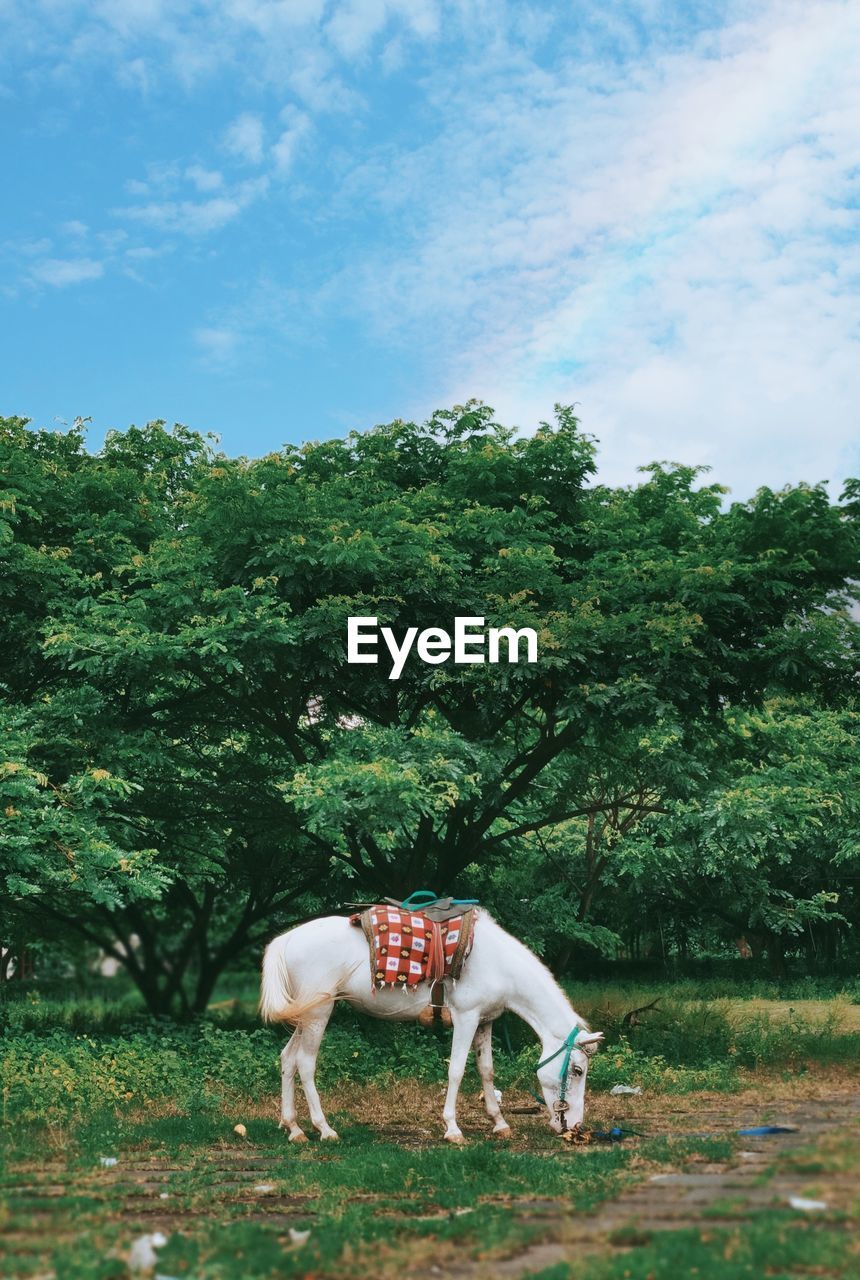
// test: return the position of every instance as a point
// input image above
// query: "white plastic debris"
(241, 1130)
(299, 1237)
(624, 1090)
(498, 1094)
(142, 1257)
(806, 1206)
(164, 1195)
(107, 1162)
(264, 1188)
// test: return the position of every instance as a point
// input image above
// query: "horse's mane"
(534, 961)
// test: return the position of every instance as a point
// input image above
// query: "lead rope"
(567, 1048)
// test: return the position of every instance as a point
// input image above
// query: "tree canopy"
(191, 761)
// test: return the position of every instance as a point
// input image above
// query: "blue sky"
(280, 219)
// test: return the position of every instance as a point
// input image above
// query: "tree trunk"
(207, 977)
(776, 955)
(179, 989)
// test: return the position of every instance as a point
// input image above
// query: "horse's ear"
(590, 1042)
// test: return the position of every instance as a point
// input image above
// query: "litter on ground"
(142, 1257)
(806, 1206)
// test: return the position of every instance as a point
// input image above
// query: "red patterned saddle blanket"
(406, 948)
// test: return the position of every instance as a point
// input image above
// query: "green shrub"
(621, 1063)
(795, 1041)
(61, 1076)
(55, 1066)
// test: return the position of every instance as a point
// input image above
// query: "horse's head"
(562, 1077)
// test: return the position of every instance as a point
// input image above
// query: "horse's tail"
(278, 1000)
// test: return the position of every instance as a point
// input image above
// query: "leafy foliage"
(191, 762)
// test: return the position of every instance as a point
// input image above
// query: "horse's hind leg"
(312, 1034)
(289, 1116)
(483, 1044)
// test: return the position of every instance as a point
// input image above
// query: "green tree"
(770, 847)
(179, 620)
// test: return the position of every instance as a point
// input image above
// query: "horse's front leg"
(309, 1044)
(484, 1059)
(465, 1026)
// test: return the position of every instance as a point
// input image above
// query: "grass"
(775, 1245)
(380, 1206)
(780, 1244)
(365, 1197)
(197, 1070)
(91, 1078)
(65, 1060)
(737, 987)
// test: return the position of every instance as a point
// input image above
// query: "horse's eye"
(577, 1071)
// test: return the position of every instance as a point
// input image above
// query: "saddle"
(410, 945)
(440, 910)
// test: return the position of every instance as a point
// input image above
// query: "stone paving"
(712, 1194)
(715, 1194)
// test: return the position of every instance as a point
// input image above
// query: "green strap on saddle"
(423, 898)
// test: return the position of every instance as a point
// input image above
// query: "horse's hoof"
(298, 1137)
(456, 1138)
(331, 1136)
(503, 1133)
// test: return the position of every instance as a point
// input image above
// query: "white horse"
(306, 970)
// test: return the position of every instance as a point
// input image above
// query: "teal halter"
(567, 1049)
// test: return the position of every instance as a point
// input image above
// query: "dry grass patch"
(838, 1011)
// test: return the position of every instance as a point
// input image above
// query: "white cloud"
(245, 138)
(271, 17)
(135, 74)
(646, 209)
(30, 248)
(160, 177)
(354, 24)
(148, 45)
(284, 150)
(197, 217)
(393, 56)
(111, 241)
(132, 17)
(261, 317)
(314, 79)
(204, 179)
(670, 243)
(60, 272)
(218, 345)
